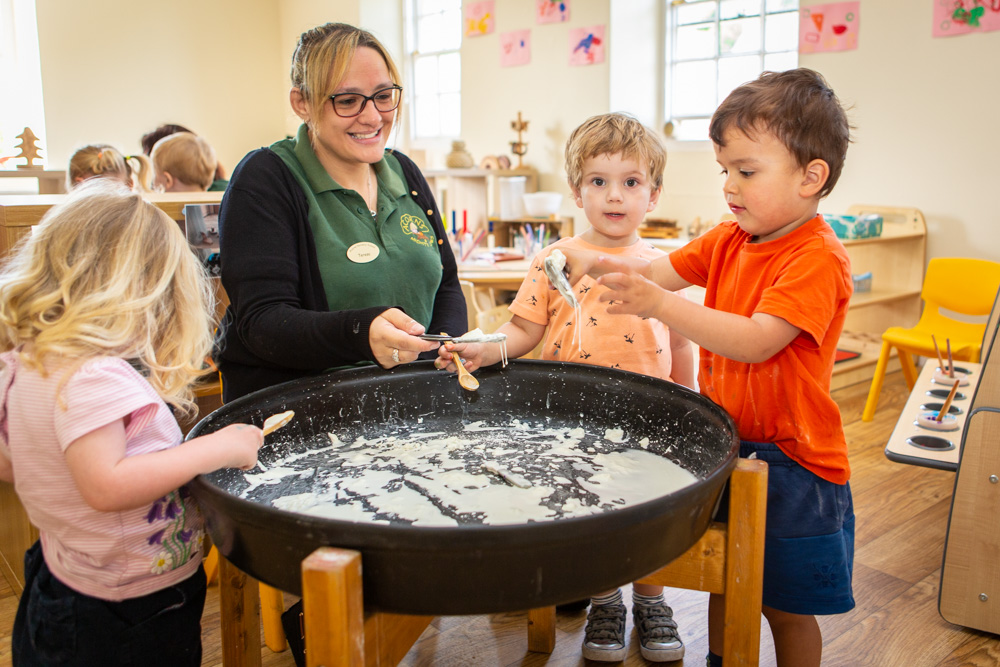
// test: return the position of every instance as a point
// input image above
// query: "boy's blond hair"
(107, 161)
(799, 108)
(106, 273)
(321, 60)
(611, 134)
(187, 157)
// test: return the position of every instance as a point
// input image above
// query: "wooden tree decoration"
(29, 151)
(519, 148)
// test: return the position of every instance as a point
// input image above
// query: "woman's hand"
(393, 339)
(470, 353)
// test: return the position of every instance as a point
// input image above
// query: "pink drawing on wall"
(479, 18)
(515, 48)
(586, 45)
(551, 11)
(830, 27)
(960, 17)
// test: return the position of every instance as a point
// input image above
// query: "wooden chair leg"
(745, 568)
(211, 565)
(876, 388)
(240, 612)
(272, 604)
(542, 629)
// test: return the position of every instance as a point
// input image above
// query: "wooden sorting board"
(900, 450)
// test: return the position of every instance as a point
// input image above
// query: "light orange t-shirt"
(804, 278)
(628, 342)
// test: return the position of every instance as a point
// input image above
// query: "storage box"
(862, 282)
(855, 226)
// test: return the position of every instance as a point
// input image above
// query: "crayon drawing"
(960, 17)
(479, 18)
(586, 45)
(829, 27)
(515, 48)
(551, 11)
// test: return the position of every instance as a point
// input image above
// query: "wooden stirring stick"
(274, 422)
(465, 379)
(947, 402)
(951, 365)
(938, 352)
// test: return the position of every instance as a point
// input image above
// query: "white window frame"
(20, 80)
(413, 56)
(671, 57)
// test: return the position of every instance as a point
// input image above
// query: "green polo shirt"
(391, 259)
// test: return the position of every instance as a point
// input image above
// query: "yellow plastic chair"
(964, 286)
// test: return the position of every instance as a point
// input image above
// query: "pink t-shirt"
(108, 555)
(629, 342)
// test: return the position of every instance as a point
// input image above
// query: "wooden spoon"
(465, 378)
(274, 422)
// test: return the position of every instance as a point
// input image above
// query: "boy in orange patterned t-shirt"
(615, 169)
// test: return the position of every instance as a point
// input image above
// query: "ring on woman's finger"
(395, 355)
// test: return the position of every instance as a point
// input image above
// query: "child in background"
(615, 170)
(149, 140)
(107, 161)
(105, 286)
(778, 283)
(183, 162)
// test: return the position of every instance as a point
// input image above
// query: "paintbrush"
(947, 402)
(938, 352)
(951, 365)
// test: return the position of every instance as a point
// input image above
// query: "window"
(713, 46)
(20, 79)
(435, 37)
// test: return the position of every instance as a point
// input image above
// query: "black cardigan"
(278, 326)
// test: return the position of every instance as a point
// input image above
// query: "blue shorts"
(809, 538)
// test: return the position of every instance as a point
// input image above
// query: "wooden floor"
(902, 512)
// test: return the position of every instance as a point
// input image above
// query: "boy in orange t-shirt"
(614, 166)
(777, 286)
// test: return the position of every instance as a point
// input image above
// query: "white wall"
(114, 69)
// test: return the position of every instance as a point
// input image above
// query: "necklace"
(372, 193)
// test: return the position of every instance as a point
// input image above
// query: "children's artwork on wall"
(515, 48)
(586, 45)
(960, 17)
(479, 18)
(829, 27)
(551, 11)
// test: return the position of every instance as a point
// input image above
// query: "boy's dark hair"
(150, 138)
(797, 107)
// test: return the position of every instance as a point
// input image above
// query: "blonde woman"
(335, 251)
(104, 321)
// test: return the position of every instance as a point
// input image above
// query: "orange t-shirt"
(804, 278)
(628, 342)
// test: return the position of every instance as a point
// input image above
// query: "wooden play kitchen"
(414, 572)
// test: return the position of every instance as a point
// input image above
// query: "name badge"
(362, 253)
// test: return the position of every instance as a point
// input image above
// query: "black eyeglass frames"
(348, 105)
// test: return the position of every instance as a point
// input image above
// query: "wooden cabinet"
(473, 191)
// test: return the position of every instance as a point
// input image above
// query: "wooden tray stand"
(729, 559)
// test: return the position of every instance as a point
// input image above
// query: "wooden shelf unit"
(503, 230)
(897, 260)
(476, 191)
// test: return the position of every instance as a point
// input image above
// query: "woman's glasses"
(348, 105)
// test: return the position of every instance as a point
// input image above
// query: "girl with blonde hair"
(104, 321)
(107, 161)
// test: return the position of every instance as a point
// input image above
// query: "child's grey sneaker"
(604, 637)
(658, 637)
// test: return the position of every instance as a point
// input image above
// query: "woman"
(334, 252)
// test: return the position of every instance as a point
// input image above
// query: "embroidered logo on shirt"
(417, 229)
(178, 543)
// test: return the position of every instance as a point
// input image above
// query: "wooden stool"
(729, 559)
